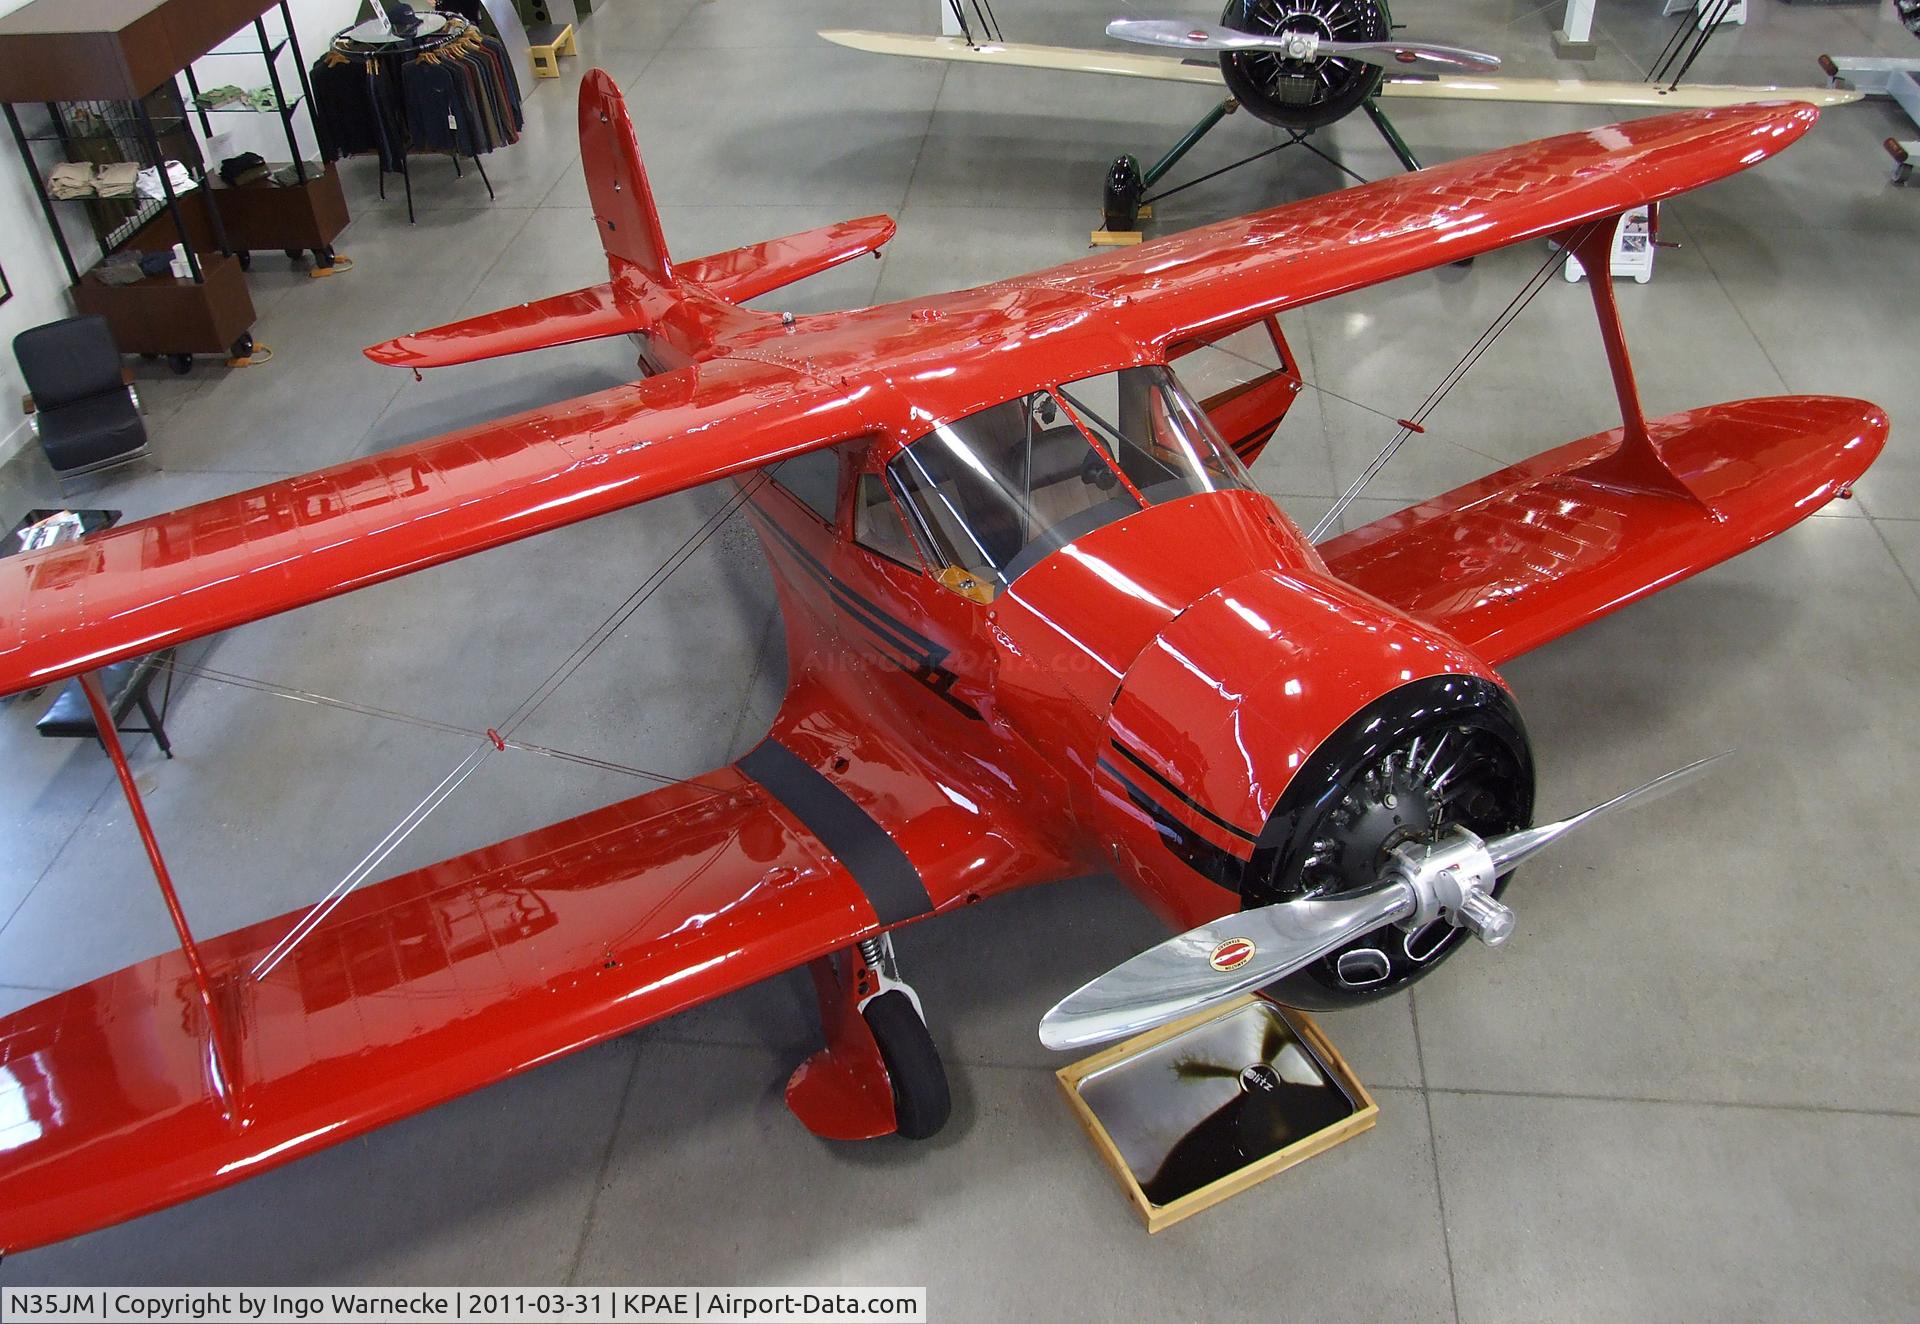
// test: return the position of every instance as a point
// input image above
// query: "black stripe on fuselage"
(1182, 796)
(1214, 863)
(880, 868)
(924, 659)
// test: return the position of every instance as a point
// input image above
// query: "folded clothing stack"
(216, 97)
(122, 268)
(246, 168)
(181, 178)
(116, 180)
(288, 176)
(237, 98)
(71, 179)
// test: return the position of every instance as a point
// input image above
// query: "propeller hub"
(1453, 880)
(1299, 45)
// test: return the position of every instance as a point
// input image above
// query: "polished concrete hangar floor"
(1687, 1089)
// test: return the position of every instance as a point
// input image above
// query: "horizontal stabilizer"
(1527, 554)
(560, 319)
(740, 274)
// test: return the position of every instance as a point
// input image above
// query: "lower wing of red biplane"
(192, 1070)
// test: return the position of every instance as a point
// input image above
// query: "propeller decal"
(1232, 954)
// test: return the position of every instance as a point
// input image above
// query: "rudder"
(623, 209)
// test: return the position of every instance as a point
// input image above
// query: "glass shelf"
(238, 109)
(162, 126)
(255, 51)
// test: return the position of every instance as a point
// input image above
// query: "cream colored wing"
(1126, 64)
(1016, 55)
(1581, 92)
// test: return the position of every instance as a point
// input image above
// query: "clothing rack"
(404, 102)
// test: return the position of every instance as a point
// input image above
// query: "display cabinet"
(98, 85)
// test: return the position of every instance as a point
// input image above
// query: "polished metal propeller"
(1452, 878)
(1419, 57)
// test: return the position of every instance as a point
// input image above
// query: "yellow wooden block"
(1115, 238)
(546, 52)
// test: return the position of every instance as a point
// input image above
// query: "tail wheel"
(1120, 204)
(1424, 761)
(921, 1102)
(1304, 94)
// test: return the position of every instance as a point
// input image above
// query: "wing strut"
(1635, 464)
(219, 1068)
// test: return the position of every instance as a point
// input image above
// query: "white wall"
(27, 251)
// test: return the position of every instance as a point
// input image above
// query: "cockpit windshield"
(1154, 433)
(994, 492)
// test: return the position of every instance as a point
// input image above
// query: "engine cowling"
(1280, 738)
(1303, 94)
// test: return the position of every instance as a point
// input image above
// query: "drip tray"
(1201, 1109)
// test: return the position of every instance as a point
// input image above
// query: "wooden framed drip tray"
(1199, 1110)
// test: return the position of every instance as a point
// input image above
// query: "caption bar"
(476, 1305)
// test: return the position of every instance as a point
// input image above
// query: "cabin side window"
(878, 524)
(812, 479)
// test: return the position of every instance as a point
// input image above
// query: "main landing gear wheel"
(1120, 206)
(1304, 94)
(921, 1102)
(1419, 765)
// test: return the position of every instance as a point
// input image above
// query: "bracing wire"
(496, 739)
(190, 671)
(1415, 421)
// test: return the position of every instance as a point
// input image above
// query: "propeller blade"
(1509, 849)
(1407, 56)
(1215, 962)
(1172, 33)
(1414, 57)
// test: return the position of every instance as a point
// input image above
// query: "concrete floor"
(1686, 1090)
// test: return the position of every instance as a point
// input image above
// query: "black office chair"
(84, 411)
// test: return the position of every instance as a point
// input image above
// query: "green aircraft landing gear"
(1127, 184)
(1124, 193)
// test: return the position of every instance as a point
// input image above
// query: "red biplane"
(1039, 623)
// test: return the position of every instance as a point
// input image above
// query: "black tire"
(243, 347)
(245, 258)
(323, 257)
(295, 254)
(182, 364)
(921, 1103)
(1120, 203)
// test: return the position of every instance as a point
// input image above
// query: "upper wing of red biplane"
(1199, 282)
(179, 576)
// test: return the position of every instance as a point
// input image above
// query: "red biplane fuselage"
(1039, 623)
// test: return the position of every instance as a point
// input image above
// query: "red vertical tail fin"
(623, 207)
